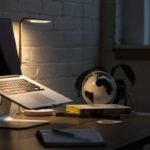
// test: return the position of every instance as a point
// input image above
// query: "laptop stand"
(7, 121)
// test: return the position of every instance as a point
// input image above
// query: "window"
(132, 30)
(133, 22)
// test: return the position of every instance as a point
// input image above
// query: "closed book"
(98, 109)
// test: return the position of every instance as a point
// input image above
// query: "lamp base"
(39, 112)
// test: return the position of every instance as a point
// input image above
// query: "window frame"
(132, 51)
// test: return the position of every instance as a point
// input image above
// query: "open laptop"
(28, 93)
(15, 87)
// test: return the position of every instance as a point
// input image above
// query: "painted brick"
(78, 22)
(87, 24)
(75, 68)
(34, 38)
(96, 26)
(89, 65)
(52, 7)
(10, 6)
(76, 54)
(64, 23)
(26, 54)
(30, 70)
(75, 1)
(98, 2)
(53, 70)
(29, 6)
(90, 53)
(91, 38)
(91, 11)
(73, 9)
(74, 38)
(89, 1)
(49, 55)
(14, 15)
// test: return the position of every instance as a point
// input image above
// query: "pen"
(72, 135)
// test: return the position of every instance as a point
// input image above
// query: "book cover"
(70, 137)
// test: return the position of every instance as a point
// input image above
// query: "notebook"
(70, 137)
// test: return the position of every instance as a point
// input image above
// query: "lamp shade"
(31, 20)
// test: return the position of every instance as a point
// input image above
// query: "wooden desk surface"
(132, 133)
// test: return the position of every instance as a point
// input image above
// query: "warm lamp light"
(38, 21)
(31, 20)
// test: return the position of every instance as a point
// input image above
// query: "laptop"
(28, 93)
(17, 87)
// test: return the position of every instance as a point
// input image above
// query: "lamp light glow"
(38, 20)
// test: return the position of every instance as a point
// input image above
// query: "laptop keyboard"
(16, 86)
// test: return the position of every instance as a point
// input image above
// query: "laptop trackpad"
(36, 100)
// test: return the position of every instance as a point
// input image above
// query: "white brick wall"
(56, 53)
(73, 9)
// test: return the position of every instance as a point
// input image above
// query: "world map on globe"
(99, 87)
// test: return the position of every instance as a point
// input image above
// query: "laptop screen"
(9, 61)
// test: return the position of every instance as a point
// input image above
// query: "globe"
(99, 87)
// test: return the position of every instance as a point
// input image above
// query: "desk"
(132, 133)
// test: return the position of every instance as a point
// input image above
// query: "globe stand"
(6, 121)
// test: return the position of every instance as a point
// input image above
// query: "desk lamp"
(31, 20)
(39, 112)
